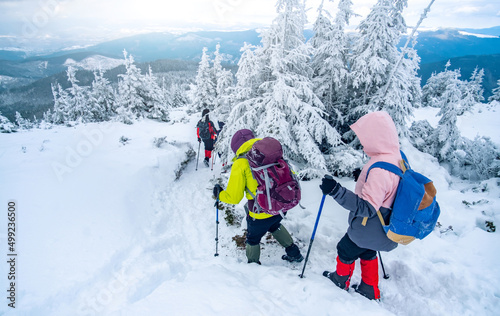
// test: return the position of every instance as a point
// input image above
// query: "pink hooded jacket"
(379, 137)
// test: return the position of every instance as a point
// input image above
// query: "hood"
(377, 133)
(245, 147)
(240, 137)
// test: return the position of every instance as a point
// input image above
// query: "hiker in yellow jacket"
(258, 224)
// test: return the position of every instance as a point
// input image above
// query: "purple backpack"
(278, 189)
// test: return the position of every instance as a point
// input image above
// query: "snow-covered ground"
(103, 228)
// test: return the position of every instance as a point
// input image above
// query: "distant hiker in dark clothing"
(221, 126)
(258, 224)
(365, 235)
(206, 132)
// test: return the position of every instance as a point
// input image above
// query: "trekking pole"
(314, 233)
(213, 161)
(217, 228)
(386, 276)
(198, 157)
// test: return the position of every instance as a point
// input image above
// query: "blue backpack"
(415, 210)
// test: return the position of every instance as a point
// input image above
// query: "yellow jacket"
(241, 178)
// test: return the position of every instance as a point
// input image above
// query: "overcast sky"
(96, 20)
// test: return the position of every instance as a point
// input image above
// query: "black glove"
(356, 173)
(217, 190)
(199, 140)
(329, 185)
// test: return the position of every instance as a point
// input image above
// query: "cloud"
(84, 19)
(467, 9)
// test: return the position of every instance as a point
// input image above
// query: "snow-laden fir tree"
(250, 74)
(102, 97)
(496, 93)
(446, 137)
(473, 89)
(379, 82)
(129, 103)
(437, 84)
(61, 113)
(79, 98)
(224, 81)
(284, 105)
(330, 61)
(205, 93)
(373, 53)
(157, 102)
(179, 97)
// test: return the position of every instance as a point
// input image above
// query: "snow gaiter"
(253, 253)
(283, 236)
(369, 279)
(342, 276)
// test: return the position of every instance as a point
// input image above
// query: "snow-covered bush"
(343, 160)
(477, 159)
(496, 93)
(23, 123)
(5, 125)
(420, 132)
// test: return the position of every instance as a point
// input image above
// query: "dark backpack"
(278, 188)
(204, 127)
(415, 210)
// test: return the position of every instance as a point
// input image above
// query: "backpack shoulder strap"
(386, 166)
(391, 168)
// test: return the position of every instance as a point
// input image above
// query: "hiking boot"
(292, 252)
(369, 291)
(205, 162)
(369, 279)
(340, 281)
(299, 258)
(342, 276)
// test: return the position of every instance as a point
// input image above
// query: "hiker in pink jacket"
(365, 236)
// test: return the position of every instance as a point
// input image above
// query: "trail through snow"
(118, 235)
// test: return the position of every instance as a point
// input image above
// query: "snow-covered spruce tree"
(437, 84)
(473, 89)
(79, 100)
(446, 137)
(284, 105)
(496, 93)
(250, 75)
(205, 93)
(102, 98)
(5, 125)
(376, 83)
(179, 97)
(129, 102)
(224, 81)
(61, 113)
(157, 102)
(330, 61)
